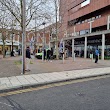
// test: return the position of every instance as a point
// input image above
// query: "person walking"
(44, 54)
(28, 56)
(48, 54)
(96, 55)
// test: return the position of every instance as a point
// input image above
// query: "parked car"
(38, 55)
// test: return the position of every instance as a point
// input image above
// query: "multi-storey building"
(85, 26)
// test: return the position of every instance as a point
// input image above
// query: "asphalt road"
(87, 95)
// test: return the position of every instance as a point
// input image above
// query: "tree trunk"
(4, 49)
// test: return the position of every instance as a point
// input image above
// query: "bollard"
(74, 57)
(63, 57)
(92, 57)
(98, 56)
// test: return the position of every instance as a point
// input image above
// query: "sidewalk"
(22, 81)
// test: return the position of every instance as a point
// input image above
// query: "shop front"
(84, 46)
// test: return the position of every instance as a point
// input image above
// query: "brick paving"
(57, 65)
(9, 68)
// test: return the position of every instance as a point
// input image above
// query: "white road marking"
(7, 104)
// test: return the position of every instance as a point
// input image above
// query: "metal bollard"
(74, 57)
(63, 57)
(92, 57)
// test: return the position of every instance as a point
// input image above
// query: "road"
(74, 95)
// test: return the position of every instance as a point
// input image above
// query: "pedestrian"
(5, 52)
(96, 55)
(28, 56)
(38, 50)
(48, 54)
(44, 54)
(19, 52)
(51, 51)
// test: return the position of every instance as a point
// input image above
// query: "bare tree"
(54, 13)
(32, 7)
(56, 18)
(4, 26)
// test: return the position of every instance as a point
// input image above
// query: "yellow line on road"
(51, 85)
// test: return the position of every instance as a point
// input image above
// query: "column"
(85, 48)
(108, 23)
(103, 45)
(73, 54)
(90, 26)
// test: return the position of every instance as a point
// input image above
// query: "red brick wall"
(78, 11)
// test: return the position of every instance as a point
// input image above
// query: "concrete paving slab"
(14, 81)
(52, 77)
(22, 80)
(30, 79)
(45, 78)
(3, 86)
(6, 81)
(39, 79)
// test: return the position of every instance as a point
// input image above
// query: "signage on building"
(93, 41)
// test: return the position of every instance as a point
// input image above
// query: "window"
(86, 20)
(85, 3)
(82, 32)
(93, 18)
(87, 31)
(82, 21)
(99, 16)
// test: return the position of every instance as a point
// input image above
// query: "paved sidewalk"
(22, 81)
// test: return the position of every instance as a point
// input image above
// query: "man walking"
(96, 55)
(48, 54)
(28, 56)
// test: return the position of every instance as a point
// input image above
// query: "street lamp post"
(43, 46)
(23, 35)
(35, 39)
(12, 29)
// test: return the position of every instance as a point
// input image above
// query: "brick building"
(33, 39)
(85, 26)
(9, 36)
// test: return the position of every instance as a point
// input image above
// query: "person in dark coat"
(51, 53)
(28, 56)
(48, 54)
(44, 54)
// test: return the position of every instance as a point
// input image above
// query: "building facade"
(86, 26)
(10, 38)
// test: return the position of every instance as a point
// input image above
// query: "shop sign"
(94, 41)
